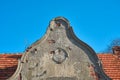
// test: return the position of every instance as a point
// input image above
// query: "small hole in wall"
(51, 41)
(58, 24)
(36, 64)
(52, 52)
(51, 29)
(35, 49)
(69, 48)
(22, 62)
(26, 61)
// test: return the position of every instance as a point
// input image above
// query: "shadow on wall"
(7, 72)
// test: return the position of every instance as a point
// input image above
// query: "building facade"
(59, 55)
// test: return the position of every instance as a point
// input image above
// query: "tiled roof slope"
(8, 65)
(111, 65)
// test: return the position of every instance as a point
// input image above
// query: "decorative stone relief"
(59, 55)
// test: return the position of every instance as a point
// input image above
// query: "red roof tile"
(111, 65)
(8, 65)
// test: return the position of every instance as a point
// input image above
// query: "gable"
(59, 55)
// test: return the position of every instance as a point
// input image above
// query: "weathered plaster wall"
(59, 55)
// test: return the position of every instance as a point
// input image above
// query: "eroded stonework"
(59, 55)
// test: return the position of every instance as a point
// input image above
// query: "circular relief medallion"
(59, 55)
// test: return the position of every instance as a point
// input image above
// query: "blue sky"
(22, 22)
